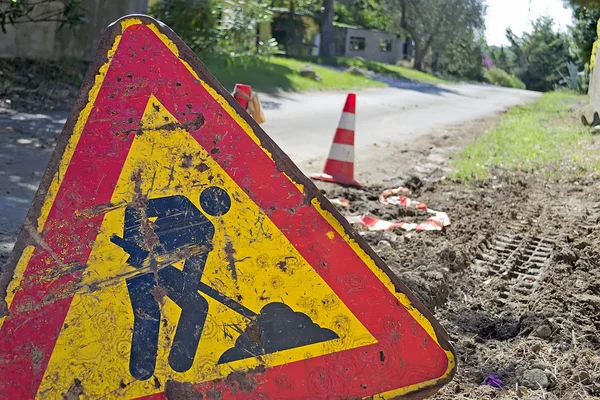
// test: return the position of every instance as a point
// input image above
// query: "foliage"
(310, 7)
(583, 3)
(295, 30)
(366, 13)
(499, 77)
(463, 56)
(503, 58)
(584, 32)
(434, 22)
(343, 14)
(66, 12)
(540, 55)
(238, 28)
(196, 22)
(210, 28)
(542, 137)
(575, 80)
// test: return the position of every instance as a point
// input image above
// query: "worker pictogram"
(173, 248)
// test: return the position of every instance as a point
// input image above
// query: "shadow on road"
(39, 124)
(416, 86)
(26, 144)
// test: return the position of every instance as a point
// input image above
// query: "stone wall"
(43, 40)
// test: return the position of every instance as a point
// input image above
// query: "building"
(300, 36)
(371, 44)
(297, 32)
(43, 40)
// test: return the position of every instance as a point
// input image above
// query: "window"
(385, 45)
(357, 43)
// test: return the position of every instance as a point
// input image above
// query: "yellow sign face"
(251, 262)
(174, 251)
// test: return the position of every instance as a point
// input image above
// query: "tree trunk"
(419, 56)
(290, 30)
(421, 52)
(327, 32)
(403, 23)
(435, 65)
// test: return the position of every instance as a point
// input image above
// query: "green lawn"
(282, 74)
(279, 73)
(48, 84)
(412, 74)
(543, 137)
(394, 71)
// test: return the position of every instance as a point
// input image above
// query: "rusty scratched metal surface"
(173, 250)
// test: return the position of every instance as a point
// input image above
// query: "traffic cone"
(339, 167)
(242, 94)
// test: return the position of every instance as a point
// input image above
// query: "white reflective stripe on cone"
(341, 152)
(347, 121)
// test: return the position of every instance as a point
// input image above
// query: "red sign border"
(26, 237)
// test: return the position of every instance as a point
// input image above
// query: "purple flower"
(487, 62)
(494, 382)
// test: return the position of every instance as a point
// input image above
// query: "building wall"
(43, 40)
(340, 38)
(372, 49)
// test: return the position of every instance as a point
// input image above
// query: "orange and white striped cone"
(339, 167)
(242, 94)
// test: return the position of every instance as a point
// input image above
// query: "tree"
(196, 22)
(434, 22)
(296, 25)
(66, 12)
(327, 32)
(584, 32)
(343, 14)
(310, 7)
(582, 3)
(366, 13)
(239, 23)
(540, 55)
(503, 58)
(463, 56)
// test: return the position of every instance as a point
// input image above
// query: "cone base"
(335, 179)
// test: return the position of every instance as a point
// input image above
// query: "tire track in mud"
(592, 218)
(514, 262)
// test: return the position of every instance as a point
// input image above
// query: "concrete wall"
(43, 40)
(372, 50)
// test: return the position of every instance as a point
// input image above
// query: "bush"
(499, 77)
(212, 30)
(196, 22)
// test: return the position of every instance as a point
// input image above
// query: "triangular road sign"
(174, 250)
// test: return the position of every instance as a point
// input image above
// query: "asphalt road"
(302, 124)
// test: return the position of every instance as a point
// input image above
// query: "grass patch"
(279, 73)
(45, 85)
(543, 137)
(394, 71)
(499, 77)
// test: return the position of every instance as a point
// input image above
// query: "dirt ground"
(515, 280)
